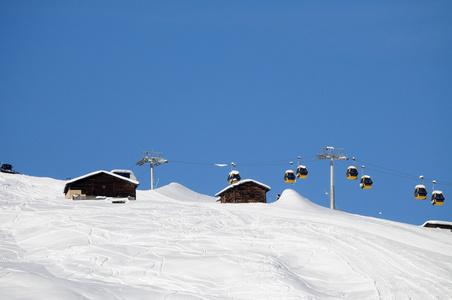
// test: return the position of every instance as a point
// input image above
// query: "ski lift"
(302, 171)
(437, 196)
(366, 181)
(289, 176)
(420, 192)
(352, 171)
(234, 175)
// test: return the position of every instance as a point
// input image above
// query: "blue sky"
(87, 86)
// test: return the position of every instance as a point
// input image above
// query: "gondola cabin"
(366, 182)
(352, 173)
(302, 172)
(234, 177)
(437, 198)
(420, 192)
(289, 176)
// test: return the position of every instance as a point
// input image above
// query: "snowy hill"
(173, 243)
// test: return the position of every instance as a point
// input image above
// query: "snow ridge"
(175, 243)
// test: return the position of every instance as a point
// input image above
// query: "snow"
(106, 172)
(438, 222)
(174, 243)
(122, 171)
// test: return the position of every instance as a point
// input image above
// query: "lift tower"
(148, 158)
(328, 154)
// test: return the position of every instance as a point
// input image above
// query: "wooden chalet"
(101, 184)
(438, 224)
(244, 191)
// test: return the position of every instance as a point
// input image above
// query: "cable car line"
(399, 174)
(198, 163)
(394, 171)
(252, 164)
(352, 173)
(388, 173)
(380, 169)
(274, 163)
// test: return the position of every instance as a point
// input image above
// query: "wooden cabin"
(438, 224)
(101, 184)
(244, 191)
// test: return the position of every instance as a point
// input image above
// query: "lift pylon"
(328, 154)
(148, 158)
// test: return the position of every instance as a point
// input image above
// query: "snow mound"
(177, 191)
(290, 199)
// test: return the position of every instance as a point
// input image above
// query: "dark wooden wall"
(104, 185)
(442, 226)
(245, 193)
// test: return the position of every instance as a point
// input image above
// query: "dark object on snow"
(438, 224)
(7, 168)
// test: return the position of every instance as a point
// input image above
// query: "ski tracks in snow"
(159, 247)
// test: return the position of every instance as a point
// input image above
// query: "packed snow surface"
(173, 243)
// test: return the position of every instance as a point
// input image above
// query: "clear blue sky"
(88, 85)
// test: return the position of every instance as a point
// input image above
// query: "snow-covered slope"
(173, 243)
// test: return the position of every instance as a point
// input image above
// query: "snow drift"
(174, 243)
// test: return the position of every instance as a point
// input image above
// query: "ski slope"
(173, 243)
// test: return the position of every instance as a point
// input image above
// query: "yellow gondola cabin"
(437, 198)
(420, 192)
(234, 177)
(352, 173)
(302, 172)
(366, 182)
(289, 176)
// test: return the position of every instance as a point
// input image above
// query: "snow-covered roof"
(102, 171)
(242, 182)
(419, 186)
(118, 171)
(436, 222)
